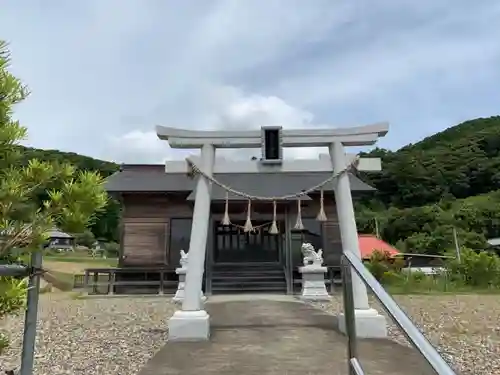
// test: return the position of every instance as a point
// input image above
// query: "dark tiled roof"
(56, 233)
(152, 178)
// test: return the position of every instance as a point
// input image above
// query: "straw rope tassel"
(321, 214)
(274, 227)
(248, 224)
(225, 219)
(298, 223)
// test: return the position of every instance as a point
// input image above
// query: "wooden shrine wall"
(146, 225)
(332, 245)
(148, 220)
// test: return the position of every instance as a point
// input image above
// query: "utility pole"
(457, 246)
(376, 227)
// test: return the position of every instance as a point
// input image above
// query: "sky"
(103, 73)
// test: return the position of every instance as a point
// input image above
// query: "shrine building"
(157, 219)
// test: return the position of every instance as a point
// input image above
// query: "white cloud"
(230, 109)
(237, 110)
(105, 73)
(138, 147)
(392, 62)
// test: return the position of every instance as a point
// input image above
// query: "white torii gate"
(191, 323)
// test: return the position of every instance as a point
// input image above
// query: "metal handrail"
(412, 333)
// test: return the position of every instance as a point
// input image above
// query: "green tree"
(460, 162)
(105, 225)
(70, 198)
(85, 238)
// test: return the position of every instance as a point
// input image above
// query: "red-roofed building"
(369, 243)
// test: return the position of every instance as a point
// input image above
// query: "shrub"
(477, 269)
(85, 238)
(382, 262)
(392, 277)
(12, 300)
(12, 295)
(112, 250)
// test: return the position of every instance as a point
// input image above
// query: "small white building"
(60, 241)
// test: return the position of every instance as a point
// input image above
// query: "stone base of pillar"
(369, 324)
(189, 326)
(179, 294)
(313, 283)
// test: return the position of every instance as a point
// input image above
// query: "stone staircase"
(248, 278)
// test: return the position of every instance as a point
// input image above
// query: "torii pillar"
(192, 322)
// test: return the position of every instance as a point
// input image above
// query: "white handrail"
(412, 333)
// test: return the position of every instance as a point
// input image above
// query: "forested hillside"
(449, 180)
(105, 168)
(106, 225)
(459, 162)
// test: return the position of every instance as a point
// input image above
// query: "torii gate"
(192, 321)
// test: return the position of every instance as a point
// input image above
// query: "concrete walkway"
(259, 336)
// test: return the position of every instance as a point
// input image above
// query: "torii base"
(189, 326)
(369, 324)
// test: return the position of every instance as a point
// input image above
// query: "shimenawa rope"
(248, 227)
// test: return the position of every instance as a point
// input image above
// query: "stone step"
(247, 272)
(248, 277)
(248, 265)
(257, 276)
(247, 268)
(226, 289)
(249, 282)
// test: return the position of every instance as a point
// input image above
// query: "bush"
(382, 262)
(392, 278)
(86, 239)
(477, 269)
(12, 300)
(112, 250)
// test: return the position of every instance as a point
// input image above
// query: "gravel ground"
(113, 336)
(117, 336)
(464, 328)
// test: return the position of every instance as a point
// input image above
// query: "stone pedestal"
(313, 283)
(179, 294)
(369, 324)
(189, 326)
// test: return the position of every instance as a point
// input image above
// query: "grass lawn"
(62, 267)
(81, 260)
(74, 268)
(453, 290)
(89, 262)
(61, 280)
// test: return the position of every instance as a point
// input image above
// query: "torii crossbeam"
(356, 136)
